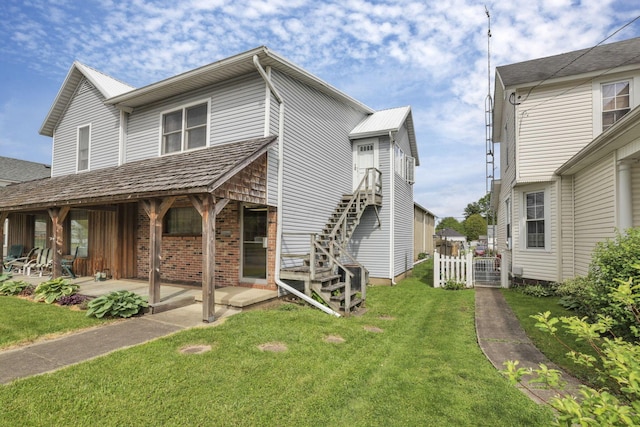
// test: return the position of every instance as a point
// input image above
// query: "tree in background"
(450, 222)
(481, 207)
(474, 226)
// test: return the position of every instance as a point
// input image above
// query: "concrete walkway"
(50, 355)
(501, 338)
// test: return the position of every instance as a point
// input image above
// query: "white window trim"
(88, 148)
(523, 219)
(596, 91)
(508, 223)
(183, 107)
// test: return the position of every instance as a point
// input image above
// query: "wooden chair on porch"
(67, 264)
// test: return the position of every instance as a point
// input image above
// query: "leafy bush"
(53, 289)
(75, 299)
(13, 287)
(537, 291)
(613, 261)
(422, 255)
(620, 365)
(116, 304)
(574, 293)
(452, 285)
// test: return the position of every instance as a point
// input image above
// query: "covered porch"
(135, 197)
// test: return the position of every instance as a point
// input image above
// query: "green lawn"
(424, 368)
(22, 321)
(524, 306)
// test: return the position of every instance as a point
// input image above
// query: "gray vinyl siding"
(594, 209)
(236, 113)
(370, 242)
(272, 171)
(403, 214)
(317, 157)
(86, 107)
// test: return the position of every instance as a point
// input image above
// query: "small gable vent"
(85, 87)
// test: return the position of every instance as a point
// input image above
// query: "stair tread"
(333, 287)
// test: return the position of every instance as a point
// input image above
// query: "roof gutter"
(279, 282)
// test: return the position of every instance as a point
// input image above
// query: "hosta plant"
(12, 287)
(53, 289)
(116, 304)
(5, 276)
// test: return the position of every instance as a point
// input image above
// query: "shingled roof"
(192, 172)
(16, 170)
(600, 58)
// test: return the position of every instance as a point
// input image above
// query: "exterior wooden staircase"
(329, 271)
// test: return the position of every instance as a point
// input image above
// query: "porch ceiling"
(192, 172)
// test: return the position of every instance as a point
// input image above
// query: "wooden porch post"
(208, 209)
(155, 209)
(58, 216)
(3, 217)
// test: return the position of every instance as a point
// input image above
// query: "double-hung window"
(185, 128)
(535, 219)
(84, 142)
(616, 102)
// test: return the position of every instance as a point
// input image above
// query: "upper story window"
(185, 129)
(616, 102)
(404, 165)
(535, 219)
(84, 143)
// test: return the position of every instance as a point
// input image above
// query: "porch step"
(171, 304)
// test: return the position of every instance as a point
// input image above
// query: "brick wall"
(182, 255)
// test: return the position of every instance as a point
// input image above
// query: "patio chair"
(45, 262)
(19, 265)
(15, 252)
(67, 264)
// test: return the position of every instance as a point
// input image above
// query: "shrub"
(422, 255)
(452, 285)
(53, 289)
(75, 299)
(613, 261)
(619, 365)
(537, 291)
(13, 287)
(116, 304)
(574, 294)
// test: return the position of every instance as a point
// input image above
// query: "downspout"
(392, 229)
(278, 281)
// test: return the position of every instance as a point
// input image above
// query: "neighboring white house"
(16, 170)
(569, 133)
(263, 150)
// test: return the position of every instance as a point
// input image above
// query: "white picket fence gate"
(459, 269)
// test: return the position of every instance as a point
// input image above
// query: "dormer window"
(185, 129)
(615, 102)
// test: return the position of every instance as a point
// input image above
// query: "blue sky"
(431, 55)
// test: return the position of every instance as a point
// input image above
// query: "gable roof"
(106, 85)
(225, 69)
(384, 121)
(191, 172)
(449, 232)
(16, 170)
(599, 58)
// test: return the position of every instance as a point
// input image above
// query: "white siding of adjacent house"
(539, 264)
(594, 189)
(635, 189)
(553, 124)
(567, 227)
(86, 107)
(236, 113)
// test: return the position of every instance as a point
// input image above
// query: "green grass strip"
(423, 367)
